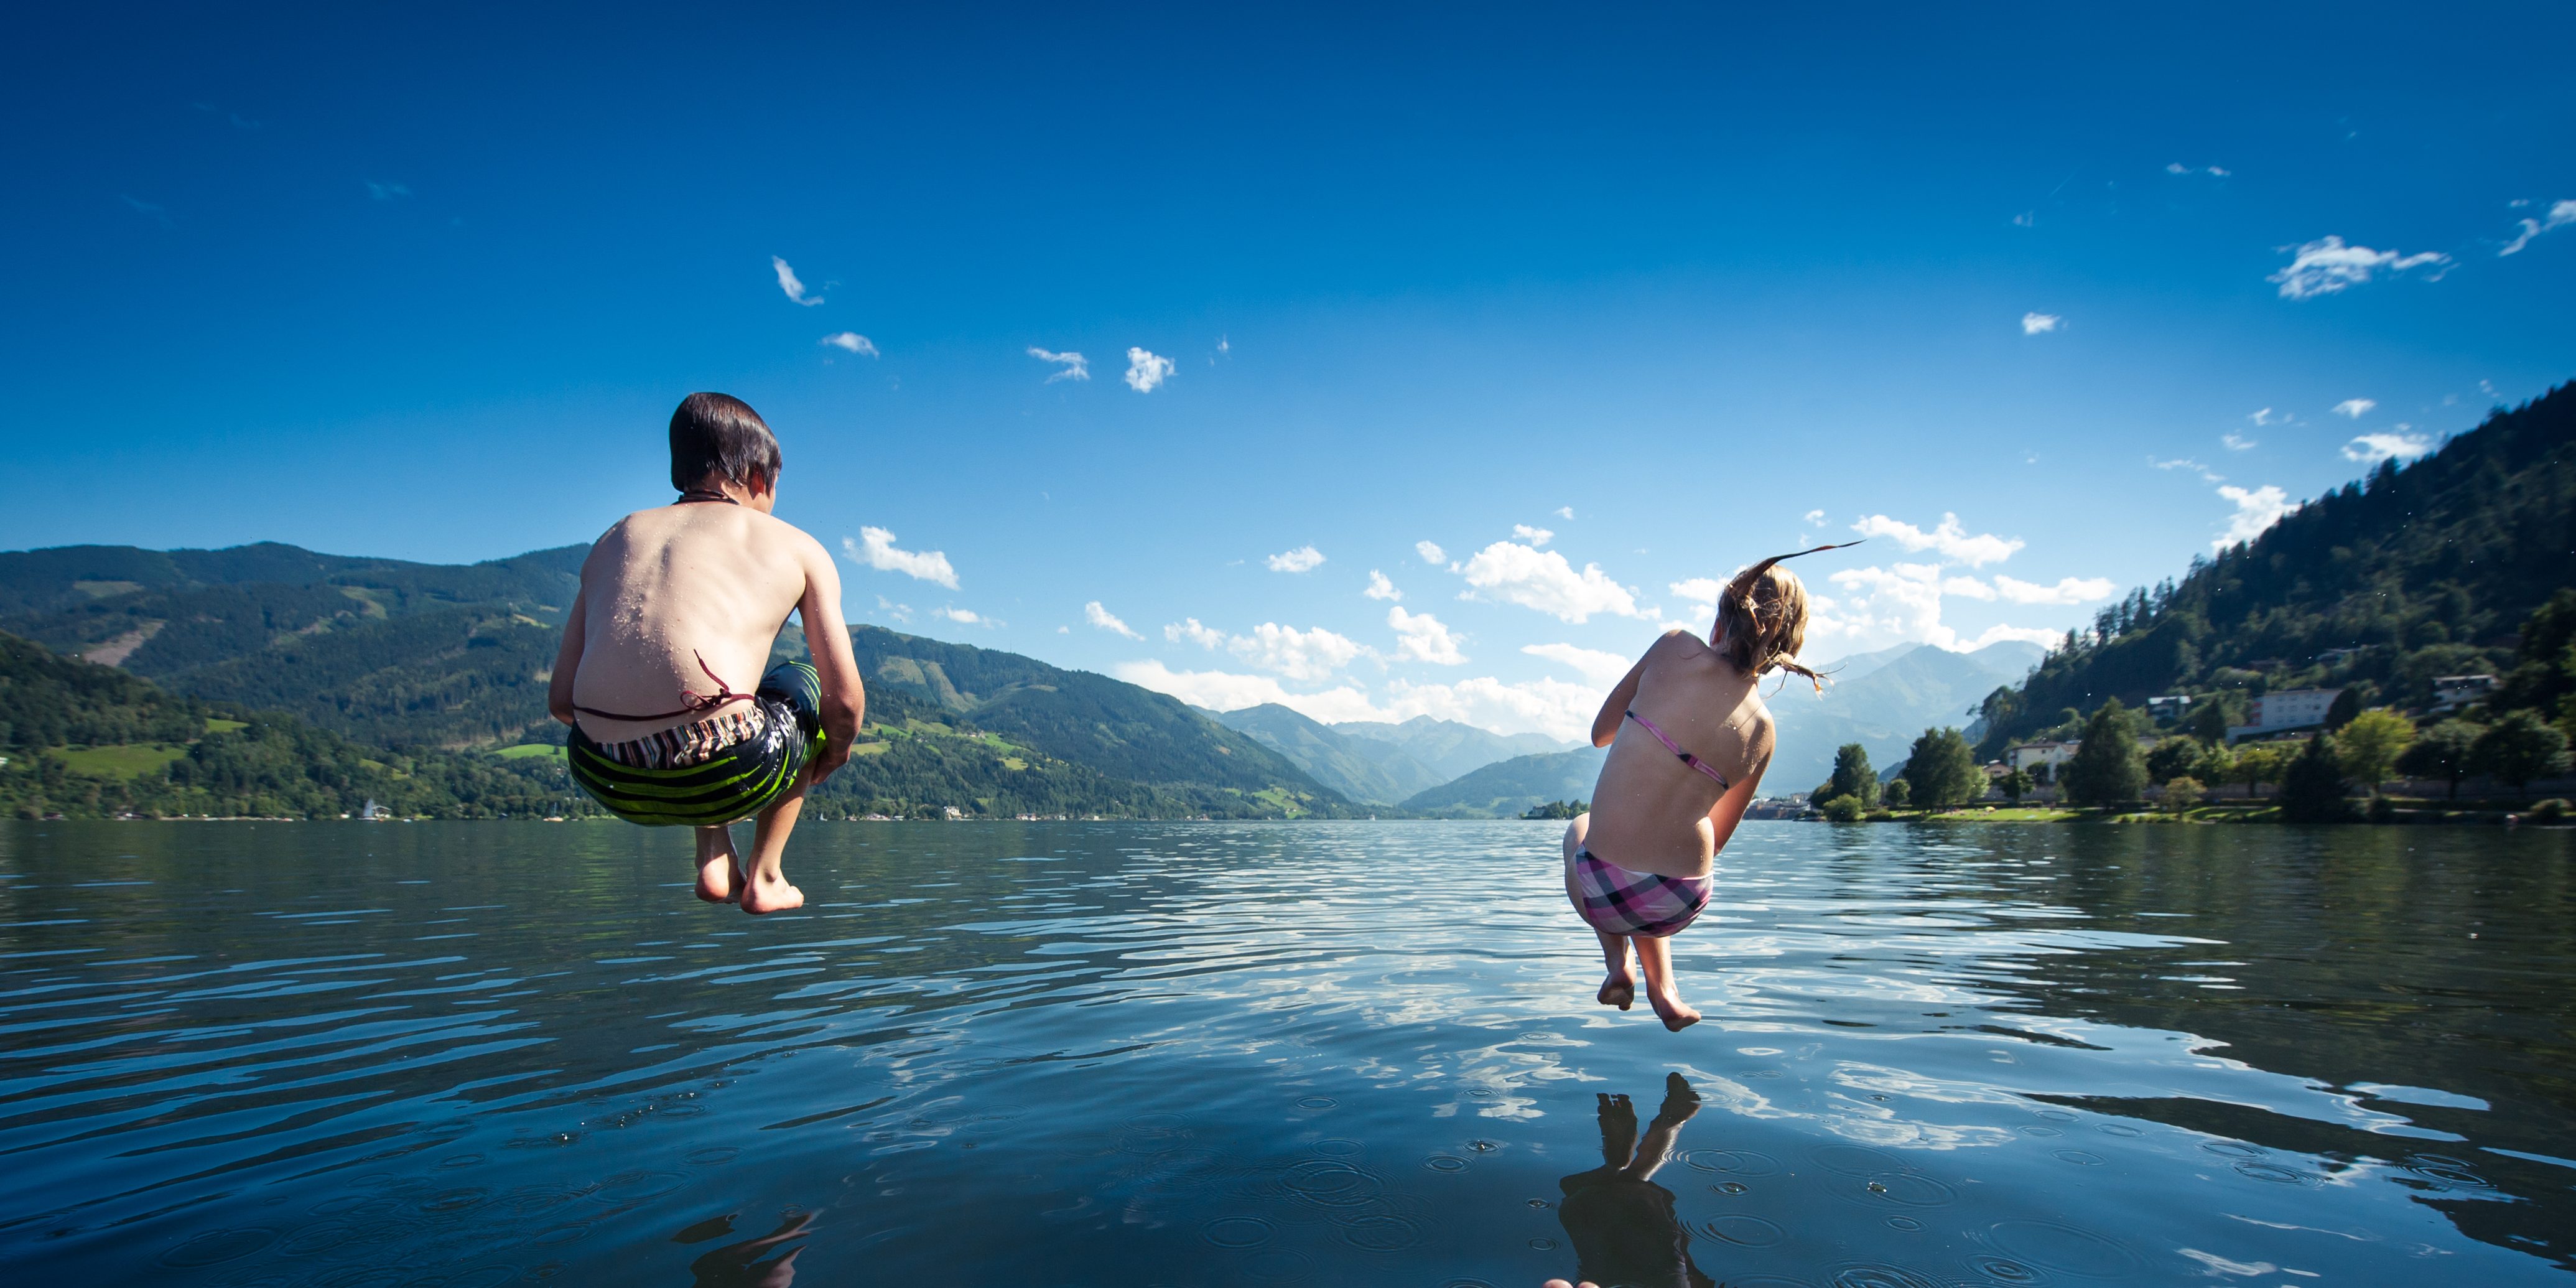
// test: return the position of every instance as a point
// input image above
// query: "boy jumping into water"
(676, 603)
(1669, 798)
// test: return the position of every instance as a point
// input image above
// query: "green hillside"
(2418, 571)
(1375, 773)
(1507, 788)
(85, 740)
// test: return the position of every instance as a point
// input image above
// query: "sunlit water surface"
(1342, 1053)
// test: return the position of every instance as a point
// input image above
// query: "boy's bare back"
(671, 585)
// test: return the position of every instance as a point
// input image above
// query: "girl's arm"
(1605, 726)
(1729, 809)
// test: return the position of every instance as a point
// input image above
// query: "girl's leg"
(716, 882)
(1619, 987)
(1656, 955)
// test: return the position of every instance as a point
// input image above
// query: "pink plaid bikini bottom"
(1620, 902)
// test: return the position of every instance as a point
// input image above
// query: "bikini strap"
(695, 702)
(1676, 748)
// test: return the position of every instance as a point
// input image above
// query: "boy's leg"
(717, 866)
(1656, 956)
(767, 889)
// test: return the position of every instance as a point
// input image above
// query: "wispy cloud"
(1902, 603)
(1698, 590)
(2036, 323)
(2214, 172)
(2186, 463)
(1534, 536)
(1431, 553)
(2256, 510)
(1511, 573)
(2068, 590)
(2236, 442)
(1189, 629)
(2371, 449)
(1565, 512)
(1145, 371)
(1952, 541)
(787, 282)
(1813, 518)
(1380, 588)
(2267, 416)
(1590, 663)
(385, 191)
(2354, 407)
(853, 342)
(2560, 215)
(2327, 265)
(1299, 655)
(1070, 365)
(1106, 620)
(2026, 219)
(1301, 559)
(964, 616)
(1421, 637)
(875, 547)
(147, 209)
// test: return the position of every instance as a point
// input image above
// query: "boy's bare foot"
(762, 895)
(1618, 990)
(1671, 1011)
(716, 882)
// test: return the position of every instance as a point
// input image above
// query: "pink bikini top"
(1676, 748)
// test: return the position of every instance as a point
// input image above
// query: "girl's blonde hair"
(1763, 616)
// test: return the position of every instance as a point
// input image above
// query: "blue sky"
(1677, 286)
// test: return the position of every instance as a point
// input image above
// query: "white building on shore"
(2284, 712)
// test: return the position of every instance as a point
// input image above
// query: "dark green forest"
(2416, 571)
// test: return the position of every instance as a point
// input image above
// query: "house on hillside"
(2032, 757)
(2452, 692)
(2169, 708)
(2284, 712)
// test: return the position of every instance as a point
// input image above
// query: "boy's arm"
(567, 662)
(827, 638)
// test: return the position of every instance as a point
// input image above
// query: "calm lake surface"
(1337, 1053)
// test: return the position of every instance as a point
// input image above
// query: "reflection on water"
(484, 1054)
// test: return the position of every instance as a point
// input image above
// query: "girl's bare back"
(1652, 811)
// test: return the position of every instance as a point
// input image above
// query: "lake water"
(1337, 1053)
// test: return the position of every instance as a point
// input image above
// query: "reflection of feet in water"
(1622, 1224)
(748, 1264)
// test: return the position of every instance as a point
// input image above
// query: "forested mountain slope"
(2423, 570)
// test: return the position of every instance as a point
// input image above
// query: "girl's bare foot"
(716, 882)
(1670, 1010)
(1618, 990)
(764, 895)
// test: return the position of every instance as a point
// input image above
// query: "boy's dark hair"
(720, 433)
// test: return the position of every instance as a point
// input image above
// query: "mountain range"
(1883, 701)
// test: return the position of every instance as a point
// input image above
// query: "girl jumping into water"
(1672, 792)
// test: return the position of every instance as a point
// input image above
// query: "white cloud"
(1145, 370)
(2176, 167)
(1072, 366)
(1565, 512)
(2265, 417)
(2560, 215)
(1431, 554)
(2325, 266)
(966, 615)
(1534, 536)
(2026, 634)
(1299, 655)
(1953, 541)
(852, 341)
(2215, 172)
(2255, 511)
(1902, 604)
(2035, 323)
(396, 191)
(1813, 518)
(2068, 590)
(1969, 588)
(2355, 408)
(1553, 707)
(1421, 637)
(1698, 590)
(1106, 620)
(1380, 588)
(899, 612)
(2186, 463)
(1188, 628)
(1301, 559)
(787, 282)
(1510, 573)
(875, 548)
(2236, 442)
(2371, 449)
(1228, 691)
(1592, 664)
